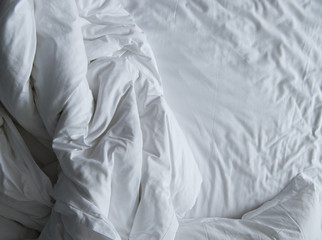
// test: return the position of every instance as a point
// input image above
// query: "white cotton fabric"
(126, 169)
(18, 46)
(243, 78)
(295, 213)
(90, 149)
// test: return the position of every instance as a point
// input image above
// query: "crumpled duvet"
(89, 148)
(295, 213)
(79, 79)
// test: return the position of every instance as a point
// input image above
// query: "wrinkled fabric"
(126, 169)
(243, 79)
(295, 213)
(90, 149)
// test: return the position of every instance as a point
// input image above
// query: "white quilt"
(80, 75)
(89, 148)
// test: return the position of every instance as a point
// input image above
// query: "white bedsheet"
(243, 78)
(90, 149)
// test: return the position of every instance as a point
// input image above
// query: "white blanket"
(80, 75)
(89, 148)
